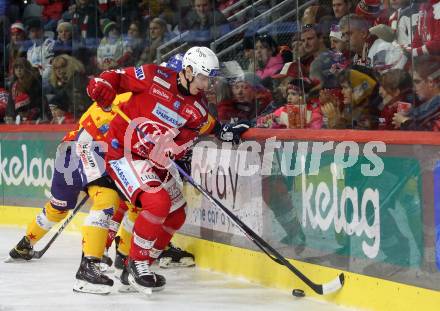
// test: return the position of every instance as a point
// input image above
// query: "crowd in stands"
(358, 64)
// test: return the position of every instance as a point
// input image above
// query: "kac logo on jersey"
(163, 73)
(176, 105)
(139, 72)
(168, 116)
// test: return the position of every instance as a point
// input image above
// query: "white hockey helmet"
(202, 61)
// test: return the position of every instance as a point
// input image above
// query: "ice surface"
(46, 285)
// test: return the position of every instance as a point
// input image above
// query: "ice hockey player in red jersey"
(167, 107)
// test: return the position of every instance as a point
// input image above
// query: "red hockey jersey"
(157, 107)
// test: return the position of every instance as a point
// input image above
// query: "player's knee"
(103, 199)
(175, 220)
(158, 204)
(53, 214)
(133, 213)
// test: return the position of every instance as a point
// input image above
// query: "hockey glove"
(233, 131)
(102, 92)
(185, 162)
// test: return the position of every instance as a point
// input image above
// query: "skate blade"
(9, 259)
(166, 263)
(147, 291)
(117, 273)
(127, 289)
(81, 286)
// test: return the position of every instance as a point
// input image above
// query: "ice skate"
(143, 279)
(125, 286)
(22, 251)
(89, 278)
(175, 257)
(119, 263)
(106, 264)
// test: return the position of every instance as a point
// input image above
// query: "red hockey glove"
(102, 92)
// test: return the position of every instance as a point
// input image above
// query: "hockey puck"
(298, 292)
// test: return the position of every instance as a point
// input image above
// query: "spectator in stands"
(319, 15)
(83, 16)
(299, 112)
(396, 6)
(246, 55)
(249, 98)
(16, 47)
(26, 101)
(313, 14)
(336, 42)
(290, 73)
(134, 39)
(325, 68)
(426, 79)
(426, 39)
(63, 43)
(383, 53)
(354, 30)
(111, 51)
(395, 87)
(288, 115)
(218, 92)
(331, 102)
(205, 23)
(341, 8)
(165, 9)
(313, 44)
(324, 88)
(370, 10)
(40, 53)
(268, 62)
(123, 12)
(407, 23)
(66, 95)
(4, 97)
(297, 48)
(158, 35)
(52, 11)
(359, 89)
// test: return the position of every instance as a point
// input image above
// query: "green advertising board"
(27, 166)
(343, 212)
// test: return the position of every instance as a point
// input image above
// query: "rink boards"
(399, 273)
(359, 291)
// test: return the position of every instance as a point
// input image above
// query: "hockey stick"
(40, 253)
(321, 289)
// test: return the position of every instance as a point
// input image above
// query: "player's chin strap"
(184, 90)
